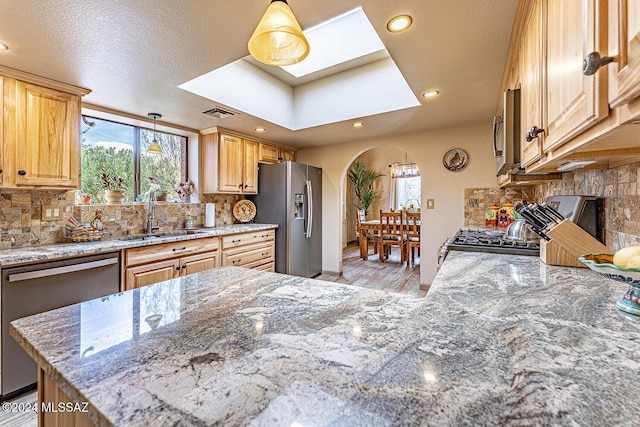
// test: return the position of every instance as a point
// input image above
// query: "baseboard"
(332, 273)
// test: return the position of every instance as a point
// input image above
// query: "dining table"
(367, 228)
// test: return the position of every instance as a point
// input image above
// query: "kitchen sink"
(158, 235)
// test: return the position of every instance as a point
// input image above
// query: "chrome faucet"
(151, 212)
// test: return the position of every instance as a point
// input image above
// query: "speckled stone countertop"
(31, 254)
(499, 340)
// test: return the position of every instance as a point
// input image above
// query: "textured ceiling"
(134, 54)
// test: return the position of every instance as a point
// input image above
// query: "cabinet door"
(47, 137)
(149, 274)
(268, 154)
(1, 129)
(531, 63)
(250, 182)
(197, 263)
(287, 155)
(574, 102)
(230, 164)
(624, 43)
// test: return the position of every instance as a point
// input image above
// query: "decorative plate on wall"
(244, 210)
(455, 159)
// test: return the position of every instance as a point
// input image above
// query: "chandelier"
(404, 169)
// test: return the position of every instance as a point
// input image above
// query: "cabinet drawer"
(248, 256)
(270, 266)
(235, 240)
(170, 250)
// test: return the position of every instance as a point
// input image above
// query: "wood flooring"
(388, 276)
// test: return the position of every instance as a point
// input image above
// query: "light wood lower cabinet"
(152, 264)
(165, 261)
(250, 250)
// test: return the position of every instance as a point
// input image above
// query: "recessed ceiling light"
(3, 46)
(399, 23)
(430, 93)
(357, 124)
(260, 129)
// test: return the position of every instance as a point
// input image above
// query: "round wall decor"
(455, 159)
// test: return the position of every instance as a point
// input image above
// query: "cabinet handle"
(178, 268)
(236, 241)
(264, 236)
(22, 173)
(184, 266)
(264, 253)
(533, 133)
(593, 61)
(0, 170)
(240, 186)
(236, 261)
(179, 249)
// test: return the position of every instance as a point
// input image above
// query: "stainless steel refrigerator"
(290, 195)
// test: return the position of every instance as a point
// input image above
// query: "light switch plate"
(431, 203)
(51, 213)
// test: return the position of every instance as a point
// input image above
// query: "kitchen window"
(120, 150)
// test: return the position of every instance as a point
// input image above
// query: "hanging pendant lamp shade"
(278, 39)
(154, 147)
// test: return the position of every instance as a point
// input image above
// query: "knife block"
(568, 242)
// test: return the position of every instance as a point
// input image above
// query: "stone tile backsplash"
(619, 187)
(478, 200)
(21, 222)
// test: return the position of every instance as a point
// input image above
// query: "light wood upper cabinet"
(228, 163)
(531, 66)
(574, 101)
(231, 164)
(1, 129)
(272, 154)
(250, 167)
(47, 137)
(624, 45)
(269, 153)
(287, 155)
(40, 131)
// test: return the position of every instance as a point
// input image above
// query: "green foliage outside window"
(108, 148)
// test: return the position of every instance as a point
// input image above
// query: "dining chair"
(391, 234)
(364, 233)
(412, 225)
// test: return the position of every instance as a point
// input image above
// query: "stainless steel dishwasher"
(36, 288)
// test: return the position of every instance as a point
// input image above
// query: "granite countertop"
(29, 254)
(498, 340)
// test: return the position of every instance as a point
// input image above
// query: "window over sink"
(120, 150)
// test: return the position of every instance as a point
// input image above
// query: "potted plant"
(114, 187)
(362, 180)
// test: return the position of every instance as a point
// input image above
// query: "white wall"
(447, 188)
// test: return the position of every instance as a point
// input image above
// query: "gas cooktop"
(485, 241)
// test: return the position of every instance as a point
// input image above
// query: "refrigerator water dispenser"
(298, 210)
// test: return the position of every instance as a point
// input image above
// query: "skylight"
(341, 39)
(349, 74)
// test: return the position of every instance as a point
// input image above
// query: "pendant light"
(405, 169)
(278, 39)
(154, 147)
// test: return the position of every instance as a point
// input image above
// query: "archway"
(378, 160)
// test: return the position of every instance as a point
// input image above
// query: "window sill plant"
(114, 187)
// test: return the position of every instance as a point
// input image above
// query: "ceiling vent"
(219, 113)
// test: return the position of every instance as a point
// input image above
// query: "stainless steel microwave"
(506, 134)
